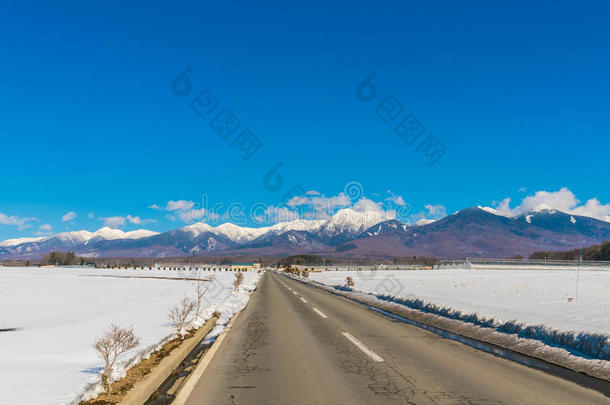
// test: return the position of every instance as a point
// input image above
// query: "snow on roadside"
(534, 304)
(58, 314)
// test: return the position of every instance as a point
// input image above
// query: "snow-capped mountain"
(19, 241)
(348, 224)
(551, 219)
(391, 226)
(471, 232)
(239, 234)
(36, 247)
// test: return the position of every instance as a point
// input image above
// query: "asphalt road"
(296, 344)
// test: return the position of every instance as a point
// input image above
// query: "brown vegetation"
(62, 259)
(595, 252)
(119, 389)
(178, 314)
(239, 277)
(349, 281)
(115, 342)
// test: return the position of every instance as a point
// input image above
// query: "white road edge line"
(304, 300)
(317, 311)
(193, 378)
(362, 347)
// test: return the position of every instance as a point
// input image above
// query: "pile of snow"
(536, 304)
(58, 313)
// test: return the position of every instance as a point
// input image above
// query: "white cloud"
(503, 207)
(297, 201)
(316, 205)
(70, 216)
(562, 200)
(44, 230)
(374, 210)
(395, 199)
(185, 210)
(273, 214)
(179, 205)
(398, 200)
(195, 214)
(114, 222)
(90, 216)
(433, 213)
(21, 223)
(436, 211)
(593, 208)
(138, 220)
(119, 221)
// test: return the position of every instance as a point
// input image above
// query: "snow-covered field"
(532, 297)
(58, 314)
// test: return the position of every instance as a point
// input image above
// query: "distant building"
(245, 266)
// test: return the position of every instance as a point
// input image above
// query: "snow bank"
(585, 351)
(58, 313)
(559, 299)
(594, 345)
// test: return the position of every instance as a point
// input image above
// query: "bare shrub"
(178, 314)
(305, 273)
(349, 281)
(115, 342)
(239, 277)
(200, 293)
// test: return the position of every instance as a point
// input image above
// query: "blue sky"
(516, 94)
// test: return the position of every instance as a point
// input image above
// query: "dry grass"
(119, 389)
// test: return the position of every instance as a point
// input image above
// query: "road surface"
(296, 344)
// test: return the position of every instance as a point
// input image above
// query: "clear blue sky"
(518, 94)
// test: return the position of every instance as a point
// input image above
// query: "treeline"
(63, 259)
(304, 260)
(595, 252)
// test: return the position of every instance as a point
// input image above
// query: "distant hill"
(596, 252)
(471, 232)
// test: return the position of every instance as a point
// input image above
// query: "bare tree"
(200, 293)
(115, 342)
(180, 312)
(349, 281)
(239, 277)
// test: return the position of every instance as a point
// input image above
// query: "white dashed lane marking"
(362, 347)
(317, 311)
(304, 300)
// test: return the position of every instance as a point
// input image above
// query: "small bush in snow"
(178, 314)
(200, 293)
(239, 277)
(305, 273)
(349, 282)
(115, 342)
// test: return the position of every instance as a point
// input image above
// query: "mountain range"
(471, 232)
